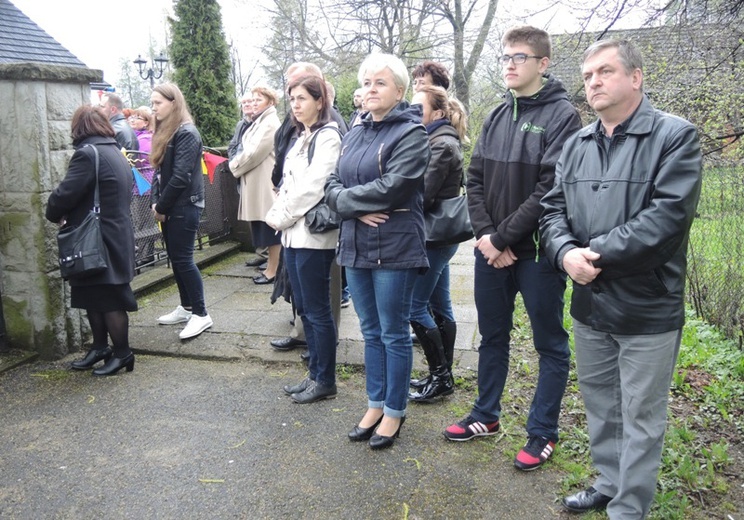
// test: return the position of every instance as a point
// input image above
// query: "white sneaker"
(195, 326)
(180, 315)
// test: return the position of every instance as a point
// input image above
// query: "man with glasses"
(512, 167)
(113, 108)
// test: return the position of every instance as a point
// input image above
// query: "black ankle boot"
(114, 365)
(93, 356)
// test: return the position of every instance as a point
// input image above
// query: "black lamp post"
(155, 71)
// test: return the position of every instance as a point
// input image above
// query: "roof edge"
(33, 71)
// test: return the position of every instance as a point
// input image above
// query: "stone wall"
(35, 146)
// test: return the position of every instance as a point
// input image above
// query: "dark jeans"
(542, 290)
(179, 234)
(309, 273)
(432, 289)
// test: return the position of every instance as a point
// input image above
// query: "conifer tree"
(201, 59)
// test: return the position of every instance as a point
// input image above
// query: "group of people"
(609, 205)
(176, 201)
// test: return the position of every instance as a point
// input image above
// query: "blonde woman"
(178, 201)
(253, 166)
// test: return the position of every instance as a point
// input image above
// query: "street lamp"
(151, 74)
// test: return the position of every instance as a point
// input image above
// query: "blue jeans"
(309, 273)
(382, 300)
(542, 290)
(432, 289)
(179, 234)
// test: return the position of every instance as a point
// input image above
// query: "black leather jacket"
(632, 200)
(179, 180)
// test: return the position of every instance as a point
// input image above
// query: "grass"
(706, 422)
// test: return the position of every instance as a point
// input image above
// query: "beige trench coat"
(253, 166)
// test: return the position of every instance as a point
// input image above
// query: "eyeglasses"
(518, 59)
(136, 118)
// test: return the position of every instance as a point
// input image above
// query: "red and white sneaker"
(469, 428)
(534, 454)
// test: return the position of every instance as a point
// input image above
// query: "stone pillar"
(35, 146)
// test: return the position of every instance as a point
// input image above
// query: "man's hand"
(506, 259)
(487, 249)
(374, 219)
(578, 263)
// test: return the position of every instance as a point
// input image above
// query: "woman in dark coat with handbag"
(107, 296)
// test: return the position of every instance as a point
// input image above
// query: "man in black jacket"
(112, 106)
(512, 167)
(618, 222)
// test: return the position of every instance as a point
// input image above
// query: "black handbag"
(82, 252)
(448, 222)
(322, 218)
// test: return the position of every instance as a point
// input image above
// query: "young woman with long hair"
(178, 201)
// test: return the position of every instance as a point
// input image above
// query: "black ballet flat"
(262, 279)
(381, 442)
(359, 434)
(91, 358)
(114, 365)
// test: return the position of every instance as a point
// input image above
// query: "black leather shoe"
(114, 365)
(381, 442)
(255, 262)
(587, 500)
(263, 266)
(261, 279)
(299, 387)
(91, 358)
(359, 434)
(287, 343)
(314, 392)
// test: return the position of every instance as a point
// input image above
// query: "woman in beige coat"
(253, 166)
(308, 256)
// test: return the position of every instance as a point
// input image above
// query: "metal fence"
(715, 257)
(148, 238)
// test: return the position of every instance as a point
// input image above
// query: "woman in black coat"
(107, 297)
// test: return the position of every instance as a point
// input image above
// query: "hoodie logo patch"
(529, 127)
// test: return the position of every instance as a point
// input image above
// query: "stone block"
(64, 98)
(59, 135)
(24, 149)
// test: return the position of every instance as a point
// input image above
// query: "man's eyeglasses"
(518, 59)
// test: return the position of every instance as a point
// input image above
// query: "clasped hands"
(494, 257)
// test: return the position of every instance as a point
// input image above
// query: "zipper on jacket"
(379, 158)
(536, 241)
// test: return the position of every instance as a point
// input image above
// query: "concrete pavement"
(185, 436)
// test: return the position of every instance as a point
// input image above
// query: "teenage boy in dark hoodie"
(512, 167)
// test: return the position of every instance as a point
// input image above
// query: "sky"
(101, 34)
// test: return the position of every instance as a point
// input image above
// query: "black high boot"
(441, 379)
(448, 330)
(420, 332)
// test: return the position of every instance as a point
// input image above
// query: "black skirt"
(103, 298)
(264, 235)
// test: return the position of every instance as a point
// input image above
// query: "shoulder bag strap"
(96, 198)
